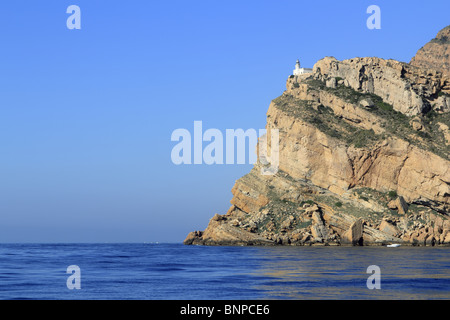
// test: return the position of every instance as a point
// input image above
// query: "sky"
(86, 115)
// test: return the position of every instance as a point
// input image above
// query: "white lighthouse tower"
(298, 70)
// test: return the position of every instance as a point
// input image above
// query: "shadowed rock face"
(435, 54)
(363, 160)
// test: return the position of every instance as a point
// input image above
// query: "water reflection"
(340, 272)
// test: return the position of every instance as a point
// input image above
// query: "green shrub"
(431, 114)
(424, 135)
(392, 194)
(362, 137)
(305, 224)
(393, 122)
(384, 106)
(310, 202)
(338, 204)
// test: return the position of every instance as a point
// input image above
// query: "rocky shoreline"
(314, 225)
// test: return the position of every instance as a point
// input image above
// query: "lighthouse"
(298, 70)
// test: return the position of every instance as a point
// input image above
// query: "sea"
(170, 271)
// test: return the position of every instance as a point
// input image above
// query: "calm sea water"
(174, 271)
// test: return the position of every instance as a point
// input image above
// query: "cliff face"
(363, 160)
(436, 53)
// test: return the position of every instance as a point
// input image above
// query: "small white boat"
(395, 245)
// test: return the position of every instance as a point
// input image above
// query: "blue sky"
(86, 115)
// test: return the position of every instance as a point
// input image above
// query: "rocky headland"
(364, 159)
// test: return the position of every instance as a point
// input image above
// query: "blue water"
(174, 271)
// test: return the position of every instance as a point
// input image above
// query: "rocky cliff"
(436, 53)
(363, 160)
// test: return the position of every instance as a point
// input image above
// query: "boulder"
(398, 204)
(389, 228)
(331, 83)
(192, 237)
(354, 235)
(367, 103)
(416, 124)
(402, 206)
(317, 218)
(430, 241)
(312, 208)
(447, 238)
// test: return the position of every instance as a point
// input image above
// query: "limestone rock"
(398, 204)
(192, 237)
(389, 228)
(331, 83)
(445, 131)
(430, 241)
(392, 204)
(417, 124)
(367, 103)
(447, 239)
(317, 218)
(319, 233)
(319, 230)
(219, 232)
(442, 104)
(354, 235)
(313, 208)
(410, 90)
(435, 54)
